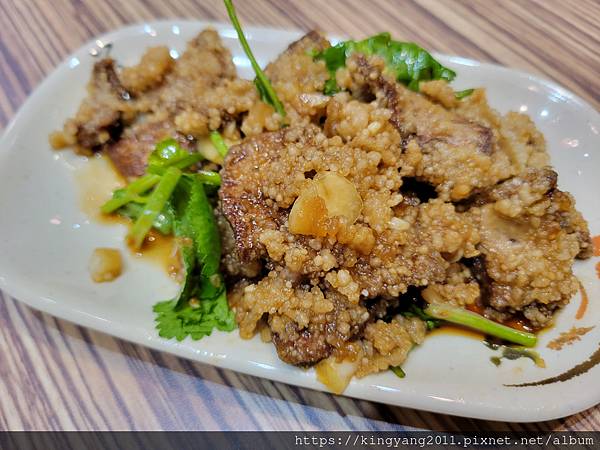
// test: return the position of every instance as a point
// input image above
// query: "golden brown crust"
(529, 230)
(248, 209)
(459, 155)
(192, 95)
(101, 117)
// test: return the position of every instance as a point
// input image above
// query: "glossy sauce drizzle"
(454, 330)
(96, 181)
(518, 323)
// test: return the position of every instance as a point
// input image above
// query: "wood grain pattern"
(59, 376)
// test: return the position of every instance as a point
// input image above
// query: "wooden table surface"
(56, 375)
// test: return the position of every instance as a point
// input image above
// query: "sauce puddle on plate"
(96, 181)
(447, 329)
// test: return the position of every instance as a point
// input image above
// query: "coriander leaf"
(462, 94)
(196, 221)
(331, 86)
(409, 63)
(263, 84)
(201, 304)
(194, 320)
(223, 314)
(516, 352)
(335, 58)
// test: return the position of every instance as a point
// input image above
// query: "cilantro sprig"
(409, 63)
(201, 304)
(172, 200)
(195, 319)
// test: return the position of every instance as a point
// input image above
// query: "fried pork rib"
(496, 231)
(127, 111)
(459, 155)
(530, 235)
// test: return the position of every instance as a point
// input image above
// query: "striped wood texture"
(59, 376)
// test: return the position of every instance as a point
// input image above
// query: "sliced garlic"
(336, 375)
(309, 214)
(328, 195)
(314, 100)
(208, 150)
(106, 264)
(340, 195)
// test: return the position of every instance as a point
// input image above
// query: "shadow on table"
(344, 407)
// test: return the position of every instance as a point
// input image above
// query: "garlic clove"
(340, 196)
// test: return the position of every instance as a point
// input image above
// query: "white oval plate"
(46, 241)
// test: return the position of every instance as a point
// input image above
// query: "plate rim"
(421, 402)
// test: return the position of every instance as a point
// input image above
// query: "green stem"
(183, 163)
(209, 177)
(130, 193)
(472, 320)
(163, 222)
(462, 94)
(398, 371)
(219, 143)
(155, 204)
(266, 84)
(190, 160)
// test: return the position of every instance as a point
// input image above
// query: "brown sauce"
(476, 308)
(518, 323)
(579, 368)
(96, 181)
(455, 330)
(161, 250)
